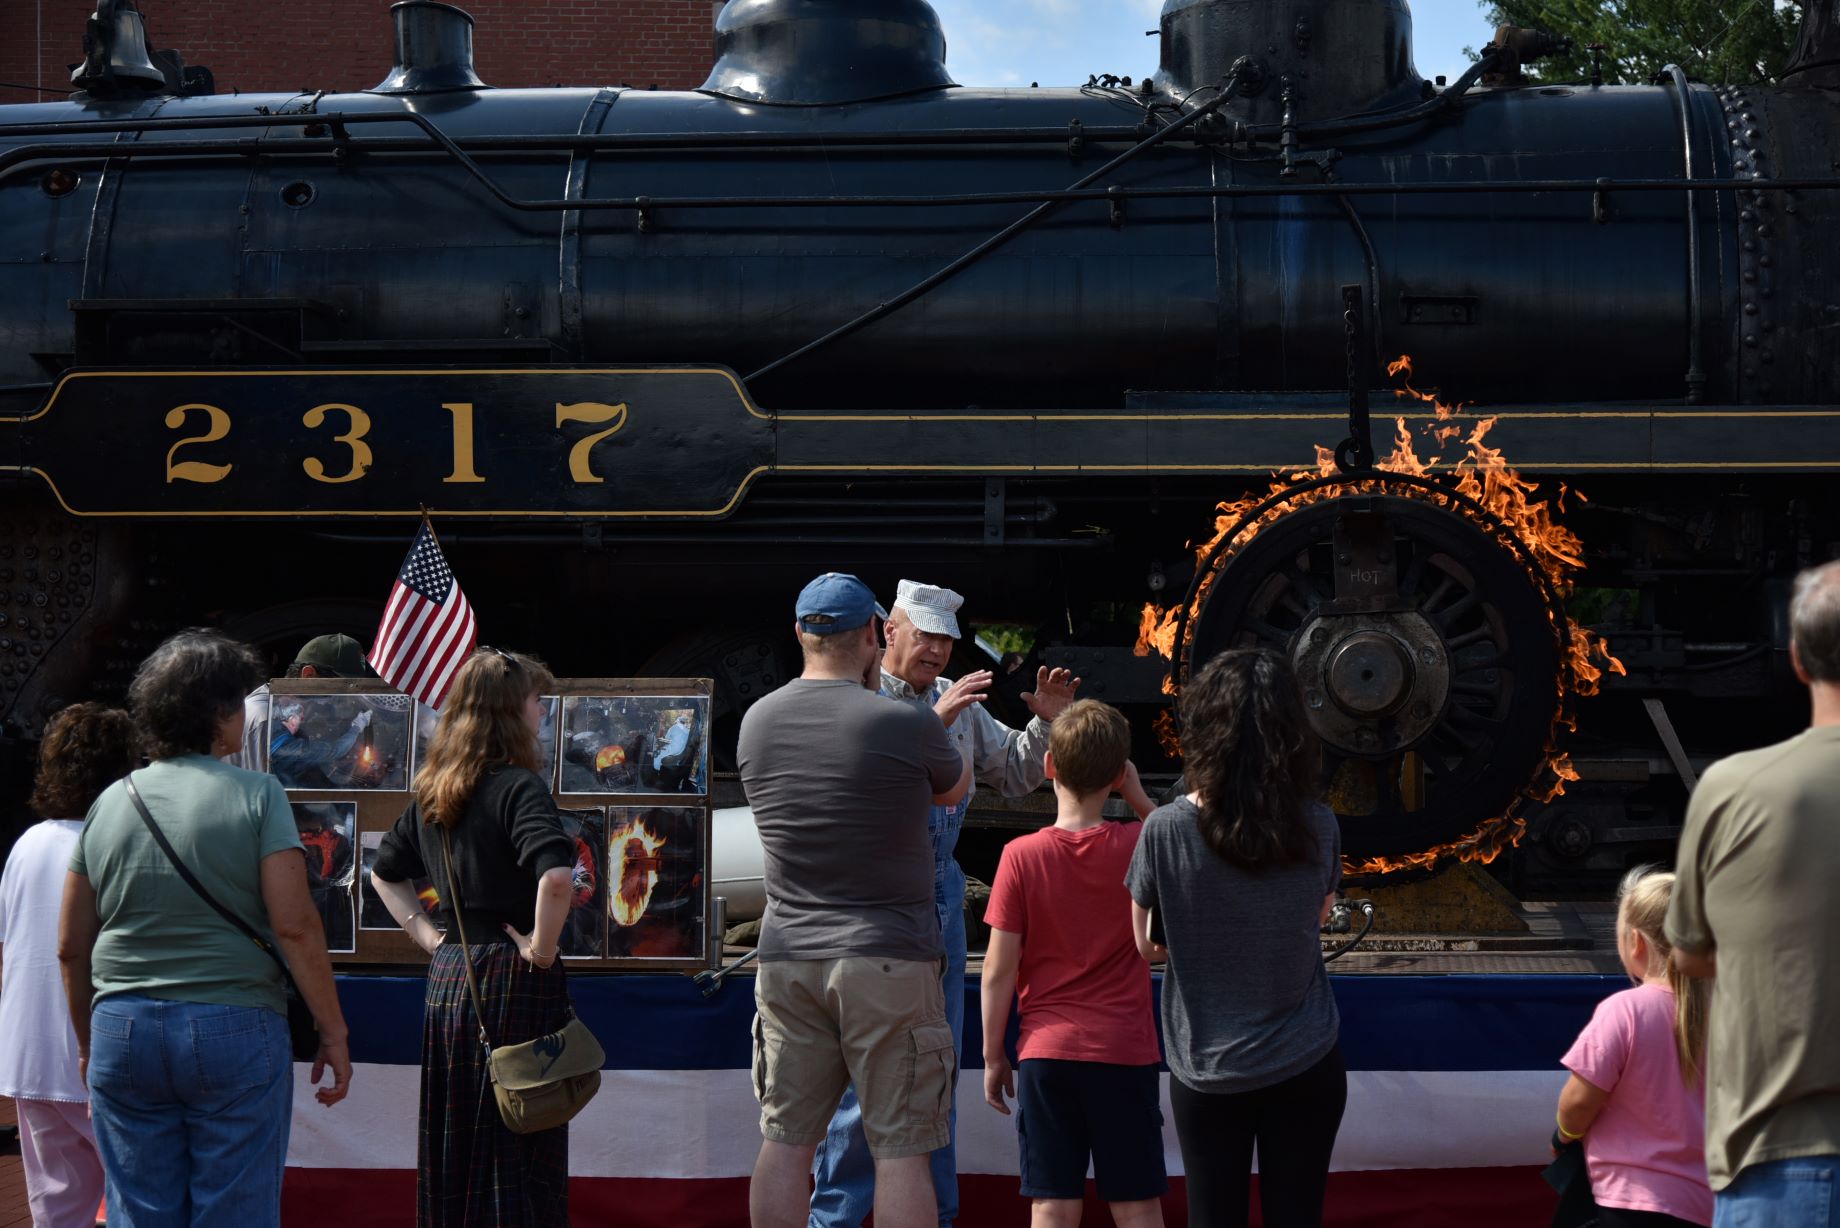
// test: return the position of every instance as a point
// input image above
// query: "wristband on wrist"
(1565, 1134)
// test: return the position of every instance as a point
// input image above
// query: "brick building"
(258, 46)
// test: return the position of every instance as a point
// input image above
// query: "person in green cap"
(323, 656)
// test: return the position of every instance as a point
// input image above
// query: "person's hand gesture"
(1054, 690)
(971, 689)
(337, 1055)
(999, 1081)
(527, 949)
(1131, 788)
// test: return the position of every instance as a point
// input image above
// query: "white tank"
(737, 864)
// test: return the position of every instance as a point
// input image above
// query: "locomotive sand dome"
(654, 357)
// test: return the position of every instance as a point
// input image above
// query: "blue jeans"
(1803, 1193)
(191, 1104)
(843, 1170)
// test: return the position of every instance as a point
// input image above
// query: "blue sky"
(1062, 42)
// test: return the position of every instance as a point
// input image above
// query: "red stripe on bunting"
(1390, 1198)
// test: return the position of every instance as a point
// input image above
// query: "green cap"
(338, 655)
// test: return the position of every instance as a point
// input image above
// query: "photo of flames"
(584, 934)
(656, 872)
(634, 744)
(372, 915)
(337, 741)
(325, 830)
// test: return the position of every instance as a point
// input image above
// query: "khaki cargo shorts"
(821, 1025)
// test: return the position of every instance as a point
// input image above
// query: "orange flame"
(635, 849)
(1482, 474)
(611, 756)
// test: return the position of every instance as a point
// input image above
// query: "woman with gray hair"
(180, 1019)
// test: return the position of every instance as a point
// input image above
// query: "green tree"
(1723, 42)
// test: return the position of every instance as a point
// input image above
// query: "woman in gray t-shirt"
(1238, 877)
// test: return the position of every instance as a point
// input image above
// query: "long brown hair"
(1642, 904)
(1250, 756)
(482, 727)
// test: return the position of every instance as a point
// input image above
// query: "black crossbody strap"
(159, 837)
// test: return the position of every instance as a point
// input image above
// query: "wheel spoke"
(1475, 635)
(1456, 609)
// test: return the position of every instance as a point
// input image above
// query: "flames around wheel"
(1421, 606)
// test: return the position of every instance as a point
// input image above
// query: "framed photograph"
(427, 718)
(339, 742)
(635, 744)
(656, 882)
(584, 934)
(372, 915)
(328, 833)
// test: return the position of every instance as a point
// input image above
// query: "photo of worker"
(656, 880)
(584, 934)
(634, 744)
(339, 741)
(372, 915)
(426, 719)
(326, 833)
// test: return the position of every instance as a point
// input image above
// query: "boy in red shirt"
(1085, 1082)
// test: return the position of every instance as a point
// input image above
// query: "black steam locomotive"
(651, 358)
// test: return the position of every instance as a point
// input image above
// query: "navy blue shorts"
(1068, 1111)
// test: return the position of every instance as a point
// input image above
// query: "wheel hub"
(1373, 684)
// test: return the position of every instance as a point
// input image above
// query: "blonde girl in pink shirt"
(1637, 1092)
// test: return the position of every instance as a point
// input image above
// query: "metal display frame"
(378, 809)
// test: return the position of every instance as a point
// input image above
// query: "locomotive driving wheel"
(1424, 648)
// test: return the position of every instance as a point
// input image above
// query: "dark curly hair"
(186, 686)
(1250, 756)
(86, 748)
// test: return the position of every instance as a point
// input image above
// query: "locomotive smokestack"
(434, 50)
(1339, 57)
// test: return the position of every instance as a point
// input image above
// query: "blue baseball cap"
(835, 602)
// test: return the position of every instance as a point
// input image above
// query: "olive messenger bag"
(542, 1083)
(303, 1033)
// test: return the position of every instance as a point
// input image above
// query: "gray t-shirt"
(1246, 1002)
(841, 780)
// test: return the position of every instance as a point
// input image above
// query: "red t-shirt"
(1082, 988)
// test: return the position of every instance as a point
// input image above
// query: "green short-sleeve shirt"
(158, 938)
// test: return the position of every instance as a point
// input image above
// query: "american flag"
(427, 628)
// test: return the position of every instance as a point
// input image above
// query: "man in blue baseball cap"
(841, 782)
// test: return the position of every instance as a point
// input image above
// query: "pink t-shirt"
(1082, 989)
(1647, 1149)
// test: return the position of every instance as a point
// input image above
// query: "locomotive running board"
(685, 443)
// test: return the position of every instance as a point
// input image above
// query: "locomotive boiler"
(650, 358)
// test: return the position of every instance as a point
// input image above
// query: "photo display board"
(626, 761)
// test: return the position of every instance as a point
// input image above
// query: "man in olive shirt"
(840, 781)
(1758, 864)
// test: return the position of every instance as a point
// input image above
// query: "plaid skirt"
(472, 1172)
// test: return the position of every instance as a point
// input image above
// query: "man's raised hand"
(971, 689)
(1054, 690)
